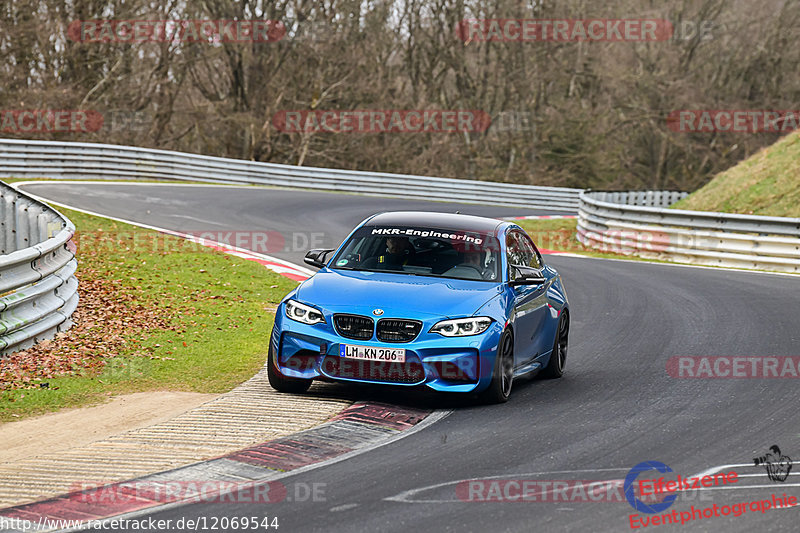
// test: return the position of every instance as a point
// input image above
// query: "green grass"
(767, 183)
(220, 306)
(560, 235)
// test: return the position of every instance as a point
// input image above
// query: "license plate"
(373, 353)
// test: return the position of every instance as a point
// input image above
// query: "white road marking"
(139, 183)
(762, 474)
(408, 495)
(204, 221)
(344, 507)
(744, 487)
(714, 469)
(288, 266)
(404, 496)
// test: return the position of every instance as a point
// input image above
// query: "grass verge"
(764, 184)
(156, 313)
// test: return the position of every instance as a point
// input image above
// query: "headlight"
(303, 313)
(462, 327)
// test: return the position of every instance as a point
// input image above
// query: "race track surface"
(292, 219)
(615, 407)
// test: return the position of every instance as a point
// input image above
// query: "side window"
(514, 254)
(531, 253)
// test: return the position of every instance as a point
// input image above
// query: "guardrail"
(38, 288)
(26, 158)
(637, 222)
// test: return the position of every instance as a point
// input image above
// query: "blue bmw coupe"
(447, 301)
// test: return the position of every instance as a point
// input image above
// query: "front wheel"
(281, 383)
(558, 357)
(503, 375)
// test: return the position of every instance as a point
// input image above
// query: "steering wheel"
(476, 269)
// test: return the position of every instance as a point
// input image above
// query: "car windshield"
(438, 252)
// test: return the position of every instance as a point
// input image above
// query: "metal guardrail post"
(38, 288)
(619, 222)
(27, 158)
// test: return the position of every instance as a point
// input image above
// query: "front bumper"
(454, 364)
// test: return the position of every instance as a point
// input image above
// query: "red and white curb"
(238, 477)
(279, 266)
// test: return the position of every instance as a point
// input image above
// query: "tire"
(281, 383)
(558, 357)
(503, 373)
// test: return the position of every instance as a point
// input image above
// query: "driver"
(476, 261)
(399, 251)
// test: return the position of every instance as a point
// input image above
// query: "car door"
(546, 328)
(531, 311)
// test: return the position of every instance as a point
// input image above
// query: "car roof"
(448, 221)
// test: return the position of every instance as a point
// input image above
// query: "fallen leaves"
(107, 318)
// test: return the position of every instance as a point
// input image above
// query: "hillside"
(767, 183)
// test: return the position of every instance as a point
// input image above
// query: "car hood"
(396, 294)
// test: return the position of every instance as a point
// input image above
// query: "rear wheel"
(558, 358)
(503, 376)
(281, 383)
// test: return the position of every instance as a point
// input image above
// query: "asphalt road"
(290, 221)
(615, 407)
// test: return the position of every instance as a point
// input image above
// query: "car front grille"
(398, 330)
(353, 326)
(402, 373)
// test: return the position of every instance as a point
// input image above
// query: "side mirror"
(316, 258)
(525, 275)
